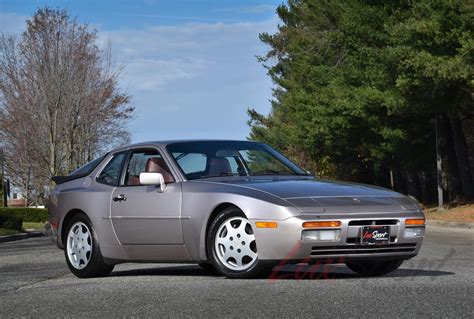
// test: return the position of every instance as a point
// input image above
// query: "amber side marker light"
(322, 224)
(415, 222)
(266, 224)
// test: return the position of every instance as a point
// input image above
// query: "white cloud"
(200, 75)
(152, 74)
(158, 55)
(258, 8)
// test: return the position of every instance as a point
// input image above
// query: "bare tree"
(59, 100)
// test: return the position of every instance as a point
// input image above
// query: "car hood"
(317, 196)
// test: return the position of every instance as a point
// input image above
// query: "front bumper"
(284, 243)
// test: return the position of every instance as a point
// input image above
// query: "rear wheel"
(231, 245)
(82, 251)
(371, 268)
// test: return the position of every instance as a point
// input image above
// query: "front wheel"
(374, 268)
(231, 245)
(82, 250)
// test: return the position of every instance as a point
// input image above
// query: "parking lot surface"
(439, 282)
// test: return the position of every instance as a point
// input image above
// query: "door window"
(146, 161)
(110, 175)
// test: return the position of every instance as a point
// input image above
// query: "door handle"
(120, 198)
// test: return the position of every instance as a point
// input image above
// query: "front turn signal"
(415, 222)
(322, 224)
(266, 224)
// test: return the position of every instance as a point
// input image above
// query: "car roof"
(168, 142)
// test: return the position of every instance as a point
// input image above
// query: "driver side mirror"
(153, 179)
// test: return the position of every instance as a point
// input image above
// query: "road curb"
(442, 223)
(4, 239)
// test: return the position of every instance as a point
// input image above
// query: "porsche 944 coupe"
(238, 207)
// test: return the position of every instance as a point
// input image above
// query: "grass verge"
(36, 226)
(461, 213)
(4, 232)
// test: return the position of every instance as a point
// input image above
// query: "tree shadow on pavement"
(181, 270)
(335, 274)
(288, 272)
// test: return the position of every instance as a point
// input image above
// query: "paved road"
(439, 282)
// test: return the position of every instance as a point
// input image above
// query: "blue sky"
(189, 66)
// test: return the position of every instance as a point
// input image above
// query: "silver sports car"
(237, 207)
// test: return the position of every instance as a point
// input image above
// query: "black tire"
(255, 269)
(96, 266)
(374, 268)
(208, 267)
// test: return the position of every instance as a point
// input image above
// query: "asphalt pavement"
(35, 282)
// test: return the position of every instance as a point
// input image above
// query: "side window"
(191, 163)
(146, 161)
(110, 175)
(88, 167)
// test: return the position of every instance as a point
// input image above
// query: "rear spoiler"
(62, 179)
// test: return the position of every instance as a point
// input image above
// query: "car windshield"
(227, 158)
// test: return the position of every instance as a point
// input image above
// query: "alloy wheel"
(79, 245)
(235, 244)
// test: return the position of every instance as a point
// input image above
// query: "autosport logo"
(375, 235)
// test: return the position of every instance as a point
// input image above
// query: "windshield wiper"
(273, 172)
(267, 172)
(222, 175)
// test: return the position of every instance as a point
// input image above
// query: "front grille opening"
(357, 250)
(357, 240)
(373, 222)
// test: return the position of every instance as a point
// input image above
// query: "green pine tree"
(358, 83)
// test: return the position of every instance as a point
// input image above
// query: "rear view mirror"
(153, 179)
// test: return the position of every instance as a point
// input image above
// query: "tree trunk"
(411, 185)
(453, 182)
(425, 194)
(462, 157)
(400, 180)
